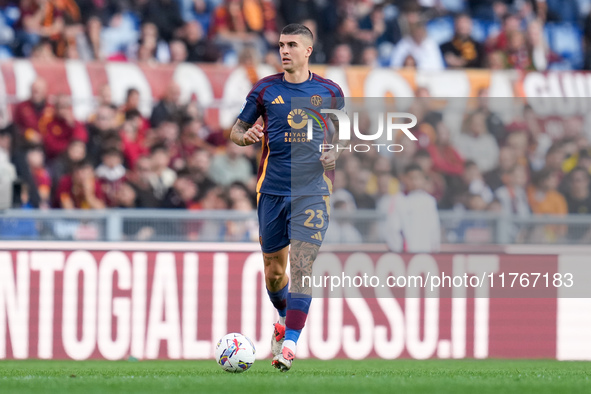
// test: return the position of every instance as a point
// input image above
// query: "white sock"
(291, 345)
(282, 320)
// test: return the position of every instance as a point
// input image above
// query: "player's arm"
(245, 134)
(330, 157)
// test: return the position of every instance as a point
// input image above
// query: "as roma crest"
(316, 100)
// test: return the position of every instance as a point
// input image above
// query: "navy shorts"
(283, 218)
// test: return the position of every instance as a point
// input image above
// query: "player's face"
(294, 51)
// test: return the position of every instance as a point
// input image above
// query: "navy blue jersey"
(290, 163)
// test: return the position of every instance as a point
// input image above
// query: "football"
(235, 353)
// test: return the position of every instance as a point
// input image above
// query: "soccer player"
(292, 210)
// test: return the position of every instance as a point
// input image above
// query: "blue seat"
(482, 29)
(565, 39)
(441, 29)
(5, 52)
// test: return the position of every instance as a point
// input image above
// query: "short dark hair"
(297, 29)
(82, 164)
(131, 91)
(112, 152)
(422, 153)
(412, 167)
(158, 148)
(132, 113)
(469, 163)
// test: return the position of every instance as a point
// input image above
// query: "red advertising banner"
(113, 304)
(221, 90)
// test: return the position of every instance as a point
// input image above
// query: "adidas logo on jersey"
(278, 100)
(317, 236)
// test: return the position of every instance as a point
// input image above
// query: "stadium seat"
(441, 29)
(454, 5)
(565, 40)
(5, 52)
(482, 29)
(11, 15)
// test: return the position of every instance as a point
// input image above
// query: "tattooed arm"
(245, 134)
(302, 258)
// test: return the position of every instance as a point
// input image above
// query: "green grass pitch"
(306, 376)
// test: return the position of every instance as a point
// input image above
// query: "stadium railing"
(457, 227)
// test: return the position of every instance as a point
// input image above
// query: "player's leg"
(274, 240)
(277, 288)
(308, 225)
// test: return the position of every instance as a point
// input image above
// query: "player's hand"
(328, 160)
(253, 135)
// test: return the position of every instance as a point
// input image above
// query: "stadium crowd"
(175, 159)
(523, 34)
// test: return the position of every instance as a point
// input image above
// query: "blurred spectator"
(555, 157)
(507, 161)
(475, 184)
(125, 196)
(545, 199)
(358, 188)
(230, 166)
(341, 55)
(494, 123)
(475, 142)
(500, 42)
(167, 134)
(370, 57)
(413, 220)
(381, 182)
(242, 230)
(64, 164)
(102, 127)
(578, 197)
(541, 55)
(80, 190)
(381, 30)
(41, 179)
(191, 140)
(543, 195)
(199, 49)
(54, 20)
(150, 48)
(435, 183)
(347, 36)
(7, 169)
(341, 230)
(162, 177)
(132, 138)
(198, 165)
(168, 108)
(140, 180)
(446, 159)
(111, 174)
(319, 55)
(165, 15)
(512, 195)
(245, 22)
(517, 53)
(178, 51)
(462, 51)
(423, 50)
(27, 114)
(59, 129)
(182, 193)
(296, 11)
